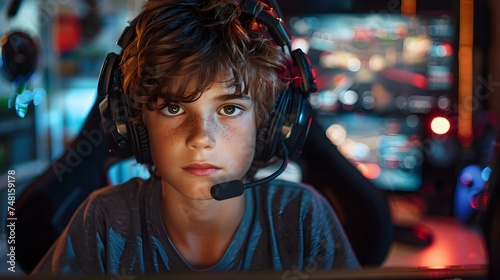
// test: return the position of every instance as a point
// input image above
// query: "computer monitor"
(380, 77)
(386, 150)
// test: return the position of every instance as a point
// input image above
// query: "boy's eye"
(230, 110)
(172, 110)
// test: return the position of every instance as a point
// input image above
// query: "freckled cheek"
(242, 142)
(163, 139)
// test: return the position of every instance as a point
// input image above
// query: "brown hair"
(200, 41)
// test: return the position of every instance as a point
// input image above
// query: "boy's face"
(198, 144)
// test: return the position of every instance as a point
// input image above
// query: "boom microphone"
(236, 188)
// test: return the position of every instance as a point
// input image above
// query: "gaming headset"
(290, 118)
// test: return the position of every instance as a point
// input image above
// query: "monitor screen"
(386, 150)
(378, 75)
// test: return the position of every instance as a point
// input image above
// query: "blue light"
(485, 174)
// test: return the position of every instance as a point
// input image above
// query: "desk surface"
(454, 244)
(472, 273)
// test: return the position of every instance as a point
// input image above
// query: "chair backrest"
(362, 209)
(46, 205)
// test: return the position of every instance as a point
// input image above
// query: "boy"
(207, 81)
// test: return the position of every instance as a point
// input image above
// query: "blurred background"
(73, 38)
(408, 91)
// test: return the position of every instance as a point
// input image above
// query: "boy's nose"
(201, 132)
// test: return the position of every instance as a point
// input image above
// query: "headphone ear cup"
(125, 139)
(290, 121)
(269, 134)
(299, 117)
(139, 139)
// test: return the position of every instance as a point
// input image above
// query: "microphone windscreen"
(227, 190)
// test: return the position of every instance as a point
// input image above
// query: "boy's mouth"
(201, 169)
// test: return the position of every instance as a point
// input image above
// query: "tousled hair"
(203, 42)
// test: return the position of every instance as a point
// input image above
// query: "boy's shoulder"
(120, 206)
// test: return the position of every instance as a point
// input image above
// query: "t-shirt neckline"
(234, 248)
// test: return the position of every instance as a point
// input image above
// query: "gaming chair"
(48, 203)
(362, 209)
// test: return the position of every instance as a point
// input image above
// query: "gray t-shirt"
(119, 230)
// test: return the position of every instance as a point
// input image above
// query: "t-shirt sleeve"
(326, 244)
(79, 249)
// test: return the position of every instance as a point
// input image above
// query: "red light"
(440, 125)
(369, 170)
(481, 200)
(421, 232)
(448, 48)
(466, 179)
(407, 77)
